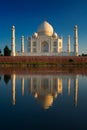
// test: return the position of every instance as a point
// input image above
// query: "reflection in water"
(75, 90)
(7, 78)
(68, 85)
(22, 85)
(0, 77)
(45, 88)
(13, 88)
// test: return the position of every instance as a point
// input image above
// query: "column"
(68, 45)
(31, 46)
(13, 42)
(22, 44)
(76, 40)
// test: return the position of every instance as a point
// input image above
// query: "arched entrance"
(44, 47)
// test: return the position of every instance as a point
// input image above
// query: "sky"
(27, 15)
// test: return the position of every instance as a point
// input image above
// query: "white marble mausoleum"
(45, 42)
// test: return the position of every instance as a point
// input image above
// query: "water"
(43, 101)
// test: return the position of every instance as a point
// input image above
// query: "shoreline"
(43, 70)
(43, 61)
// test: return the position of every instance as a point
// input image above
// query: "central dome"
(45, 29)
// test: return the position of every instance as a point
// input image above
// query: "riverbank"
(39, 61)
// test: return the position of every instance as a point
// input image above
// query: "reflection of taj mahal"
(45, 42)
(45, 88)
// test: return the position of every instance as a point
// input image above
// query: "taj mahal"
(45, 42)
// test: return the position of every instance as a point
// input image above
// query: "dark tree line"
(7, 52)
(84, 54)
(0, 52)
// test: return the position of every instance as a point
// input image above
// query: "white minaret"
(76, 40)
(68, 45)
(13, 42)
(22, 44)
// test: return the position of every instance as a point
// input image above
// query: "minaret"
(76, 40)
(22, 44)
(13, 88)
(68, 45)
(13, 42)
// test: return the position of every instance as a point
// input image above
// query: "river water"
(43, 101)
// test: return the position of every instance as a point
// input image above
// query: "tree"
(7, 51)
(0, 51)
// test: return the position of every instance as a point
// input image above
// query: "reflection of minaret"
(13, 88)
(22, 85)
(76, 90)
(59, 85)
(68, 85)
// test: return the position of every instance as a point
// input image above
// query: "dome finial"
(44, 18)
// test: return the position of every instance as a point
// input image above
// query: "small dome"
(35, 35)
(13, 26)
(45, 29)
(55, 35)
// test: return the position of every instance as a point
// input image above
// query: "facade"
(45, 42)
